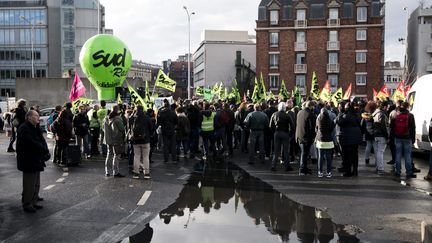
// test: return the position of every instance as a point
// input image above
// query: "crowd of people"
(273, 130)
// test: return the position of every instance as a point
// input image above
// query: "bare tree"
(422, 3)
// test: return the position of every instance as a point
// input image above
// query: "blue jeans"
(403, 146)
(304, 154)
(281, 138)
(325, 155)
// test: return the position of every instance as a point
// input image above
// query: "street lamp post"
(189, 81)
(31, 41)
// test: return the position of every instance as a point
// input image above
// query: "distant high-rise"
(56, 31)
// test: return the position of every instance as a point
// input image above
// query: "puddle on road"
(228, 205)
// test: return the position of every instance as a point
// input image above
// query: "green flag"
(199, 90)
(297, 96)
(119, 99)
(235, 94)
(208, 94)
(216, 89)
(263, 88)
(283, 92)
(136, 98)
(336, 97)
(256, 94)
(315, 92)
(147, 93)
(270, 96)
(163, 81)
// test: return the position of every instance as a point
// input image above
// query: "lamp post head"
(193, 13)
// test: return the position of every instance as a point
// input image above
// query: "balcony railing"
(300, 46)
(429, 68)
(333, 68)
(300, 68)
(333, 45)
(300, 23)
(333, 22)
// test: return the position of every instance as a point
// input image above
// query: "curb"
(426, 232)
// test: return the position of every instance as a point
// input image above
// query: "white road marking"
(60, 180)
(49, 187)
(65, 174)
(144, 198)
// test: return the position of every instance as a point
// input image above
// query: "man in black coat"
(32, 152)
(305, 134)
(167, 119)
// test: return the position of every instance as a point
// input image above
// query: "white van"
(420, 98)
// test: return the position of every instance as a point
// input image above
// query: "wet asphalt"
(225, 202)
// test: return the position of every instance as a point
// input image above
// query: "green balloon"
(106, 60)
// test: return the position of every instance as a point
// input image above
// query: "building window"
(68, 17)
(333, 35)
(274, 17)
(333, 58)
(69, 55)
(300, 37)
(301, 14)
(317, 11)
(69, 37)
(274, 81)
(395, 79)
(361, 14)
(361, 34)
(361, 79)
(333, 13)
(388, 78)
(300, 58)
(333, 79)
(376, 9)
(274, 60)
(262, 13)
(361, 57)
(274, 39)
(348, 10)
(301, 81)
(287, 9)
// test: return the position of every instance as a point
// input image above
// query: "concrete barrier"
(426, 232)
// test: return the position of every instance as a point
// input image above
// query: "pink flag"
(78, 88)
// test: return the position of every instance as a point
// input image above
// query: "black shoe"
(118, 175)
(397, 175)
(391, 162)
(411, 176)
(40, 199)
(38, 206)
(355, 173)
(10, 150)
(273, 169)
(367, 161)
(29, 209)
(415, 170)
(107, 175)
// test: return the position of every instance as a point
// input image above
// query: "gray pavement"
(82, 205)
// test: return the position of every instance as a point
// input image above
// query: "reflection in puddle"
(228, 205)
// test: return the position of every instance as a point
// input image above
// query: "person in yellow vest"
(207, 130)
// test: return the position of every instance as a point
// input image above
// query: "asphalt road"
(82, 205)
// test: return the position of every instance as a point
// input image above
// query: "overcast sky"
(156, 30)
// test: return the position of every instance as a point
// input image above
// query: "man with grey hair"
(282, 124)
(32, 152)
(256, 121)
(305, 134)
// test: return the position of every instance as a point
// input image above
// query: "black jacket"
(167, 119)
(146, 123)
(20, 115)
(194, 116)
(31, 148)
(350, 132)
(281, 121)
(305, 127)
(324, 129)
(81, 124)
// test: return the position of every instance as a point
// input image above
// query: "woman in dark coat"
(349, 137)
(62, 129)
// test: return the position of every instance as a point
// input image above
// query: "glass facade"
(19, 29)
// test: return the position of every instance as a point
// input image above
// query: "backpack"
(224, 118)
(138, 129)
(401, 124)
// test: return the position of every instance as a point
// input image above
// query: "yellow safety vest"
(207, 123)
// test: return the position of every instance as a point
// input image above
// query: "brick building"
(178, 70)
(342, 41)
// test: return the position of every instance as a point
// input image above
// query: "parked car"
(43, 118)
